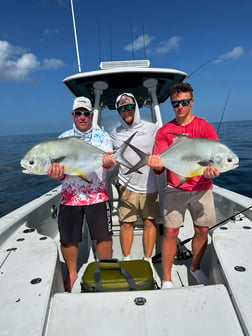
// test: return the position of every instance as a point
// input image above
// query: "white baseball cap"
(82, 102)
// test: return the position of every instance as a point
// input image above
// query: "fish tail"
(119, 155)
(142, 162)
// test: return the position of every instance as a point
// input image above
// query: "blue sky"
(37, 51)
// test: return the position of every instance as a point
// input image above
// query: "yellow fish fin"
(80, 174)
(196, 172)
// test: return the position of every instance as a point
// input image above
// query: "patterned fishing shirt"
(76, 191)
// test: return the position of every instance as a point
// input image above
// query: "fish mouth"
(26, 171)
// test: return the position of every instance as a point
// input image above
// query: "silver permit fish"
(188, 157)
(78, 157)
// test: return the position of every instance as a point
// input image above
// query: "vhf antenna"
(75, 36)
(144, 41)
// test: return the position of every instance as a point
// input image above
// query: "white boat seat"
(233, 250)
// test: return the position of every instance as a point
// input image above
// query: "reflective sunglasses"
(183, 102)
(79, 113)
(124, 108)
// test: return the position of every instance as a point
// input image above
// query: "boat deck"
(233, 245)
(195, 310)
(32, 294)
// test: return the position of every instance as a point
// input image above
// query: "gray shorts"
(199, 203)
(132, 203)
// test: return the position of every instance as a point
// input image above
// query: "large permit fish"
(188, 157)
(78, 157)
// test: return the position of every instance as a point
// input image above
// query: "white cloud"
(139, 43)
(50, 32)
(52, 63)
(16, 64)
(233, 55)
(164, 47)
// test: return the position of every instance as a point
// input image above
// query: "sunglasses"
(183, 102)
(79, 113)
(124, 108)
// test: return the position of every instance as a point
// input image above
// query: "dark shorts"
(71, 218)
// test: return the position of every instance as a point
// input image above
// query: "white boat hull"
(32, 269)
(29, 253)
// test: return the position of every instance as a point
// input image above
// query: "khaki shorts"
(199, 203)
(131, 203)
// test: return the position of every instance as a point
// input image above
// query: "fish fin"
(197, 172)
(118, 154)
(179, 137)
(80, 174)
(206, 163)
(177, 134)
(130, 138)
(83, 178)
(142, 162)
(58, 160)
(182, 181)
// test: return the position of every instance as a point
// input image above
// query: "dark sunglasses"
(79, 113)
(124, 108)
(183, 102)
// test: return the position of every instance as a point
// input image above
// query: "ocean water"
(17, 188)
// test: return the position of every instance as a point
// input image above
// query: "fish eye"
(229, 160)
(31, 162)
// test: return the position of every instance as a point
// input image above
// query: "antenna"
(75, 36)
(99, 39)
(144, 40)
(111, 49)
(132, 42)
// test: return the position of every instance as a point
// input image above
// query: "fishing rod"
(180, 244)
(201, 66)
(183, 242)
(223, 111)
(204, 64)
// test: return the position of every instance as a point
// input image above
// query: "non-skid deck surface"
(233, 249)
(196, 310)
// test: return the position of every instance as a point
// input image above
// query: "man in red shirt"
(194, 194)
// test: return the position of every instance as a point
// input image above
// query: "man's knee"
(149, 223)
(171, 233)
(201, 231)
(127, 226)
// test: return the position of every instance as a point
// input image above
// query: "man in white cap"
(137, 192)
(76, 198)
